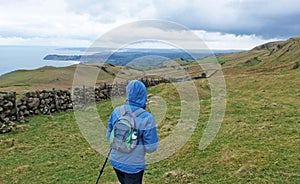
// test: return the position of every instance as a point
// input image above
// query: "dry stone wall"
(7, 111)
(31, 103)
(55, 100)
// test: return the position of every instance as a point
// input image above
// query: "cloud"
(112, 11)
(170, 35)
(41, 41)
(266, 18)
(43, 19)
(218, 40)
(218, 21)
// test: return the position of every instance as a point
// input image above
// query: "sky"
(221, 24)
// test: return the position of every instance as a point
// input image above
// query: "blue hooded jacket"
(134, 162)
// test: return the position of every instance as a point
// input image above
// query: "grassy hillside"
(258, 141)
(62, 77)
(271, 56)
(48, 77)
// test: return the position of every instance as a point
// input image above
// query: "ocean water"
(31, 57)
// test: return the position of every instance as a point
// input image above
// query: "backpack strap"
(122, 110)
(138, 112)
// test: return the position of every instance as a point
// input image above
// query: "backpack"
(124, 135)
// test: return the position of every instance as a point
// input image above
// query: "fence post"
(16, 106)
(55, 100)
(84, 95)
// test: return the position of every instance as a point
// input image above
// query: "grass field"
(48, 77)
(258, 141)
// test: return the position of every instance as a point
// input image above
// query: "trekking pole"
(101, 171)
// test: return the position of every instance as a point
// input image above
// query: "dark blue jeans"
(126, 178)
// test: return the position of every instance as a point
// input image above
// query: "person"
(129, 167)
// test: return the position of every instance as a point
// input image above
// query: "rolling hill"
(62, 77)
(49, 77)
(258, 141)
(272, 56)
(267, 57)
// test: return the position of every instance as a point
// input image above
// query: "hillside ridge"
(270, 56)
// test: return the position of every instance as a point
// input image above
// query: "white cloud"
(167, 34)
(40, 41)
(44, 19)
(221, 24)
(113, 10)
(217, 40)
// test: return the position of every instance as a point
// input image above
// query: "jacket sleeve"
(150, 138)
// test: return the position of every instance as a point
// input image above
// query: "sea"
(31, 57)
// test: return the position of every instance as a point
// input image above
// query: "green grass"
(271, 56)
(59, 77)
(258, 141)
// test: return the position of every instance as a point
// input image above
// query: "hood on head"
(136, 94)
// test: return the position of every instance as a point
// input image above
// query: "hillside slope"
(280, 55)
(51, 77)
(267, 57)
(258, 141)
(62, 77)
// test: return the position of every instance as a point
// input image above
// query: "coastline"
(15, 58)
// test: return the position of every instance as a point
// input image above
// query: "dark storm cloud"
(266, 18)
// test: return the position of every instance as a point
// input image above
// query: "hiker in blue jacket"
(129, 167)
